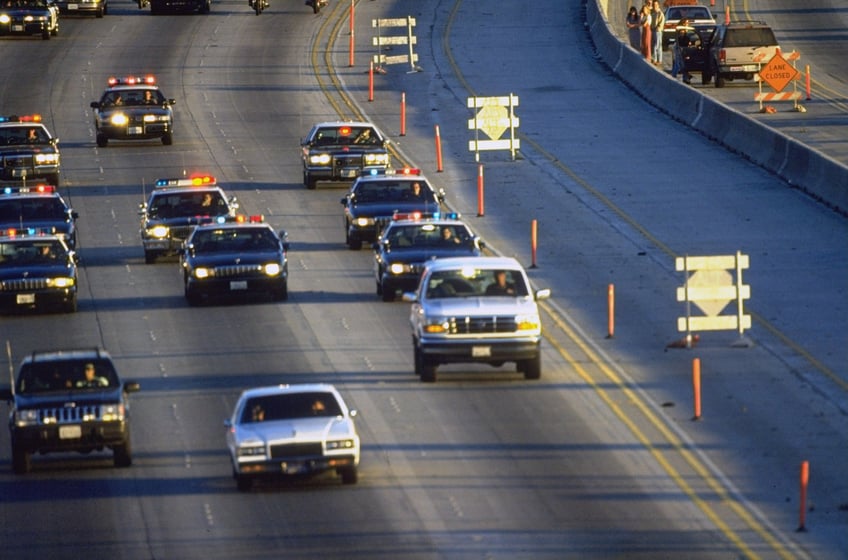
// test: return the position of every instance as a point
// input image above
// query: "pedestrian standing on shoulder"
(634, 32)
(645, 24)
(657, 24)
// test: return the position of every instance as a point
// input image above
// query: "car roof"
(31, 238)
(328, 124)
(235, 225)
(186, 189)
(69, 354)
(125, 87)
(288, 389)
(450, 263)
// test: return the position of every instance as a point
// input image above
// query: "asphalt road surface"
(600, 458)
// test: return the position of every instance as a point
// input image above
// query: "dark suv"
(739, 49)
(69, 400)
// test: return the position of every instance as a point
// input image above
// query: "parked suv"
(475, 309)
(739, 49)
(69, 400)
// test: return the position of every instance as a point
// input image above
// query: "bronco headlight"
(340, 444)
(437, 325)
(528, 322)
(4, 18)
(61, 282)
(272, 269)
(46, 159)
(111, 413)
(320, 159)
(376, 159)
(119, 119)
(202, 272)
(364, 222)
(26, 418)
(159, 232)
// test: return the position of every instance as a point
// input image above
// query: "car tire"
(244, 483)
(719, 80)
(45, 34)
(379, 288)
(706, 77)
(193, 299)
(70, 306)
(122, 454)
(149, 257)
(387, 292)
(167, 139)
(53, 180)
(281, 294)
(21, 463)
(354, 244)
(102, 140)
(423, 368)
(532, 368)
(349, 475)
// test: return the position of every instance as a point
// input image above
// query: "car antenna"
(11, 367)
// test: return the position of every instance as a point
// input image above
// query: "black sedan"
(37, 271)
(375, 198)
(235, 258)
(410, 241)
(133, 108)
(341, 150)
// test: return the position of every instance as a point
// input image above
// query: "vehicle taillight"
(722, 55)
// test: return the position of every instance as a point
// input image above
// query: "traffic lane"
(589, 259)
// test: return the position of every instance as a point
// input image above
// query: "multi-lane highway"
(600, 458)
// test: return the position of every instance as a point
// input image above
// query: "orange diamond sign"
(778, 72)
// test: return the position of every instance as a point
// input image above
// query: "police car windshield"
(393, 191)
(175, 205)
(429, 236)
(23, 253)
(13, 211)
(21, 135)
(234, 240)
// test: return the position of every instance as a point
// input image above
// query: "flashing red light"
(131, 80)
(407, 216)
(10, 232)
(199, 180)
(256, 219)
(344, 131)
(45, 188)
(408, 171)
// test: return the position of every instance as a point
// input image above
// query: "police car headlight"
(119, 119)
(320, 159)
(46, 159)
(376, 159)
(364, 222)
(159, 232)
(61, 282)
(528, 322)
(272, 269)
(112, 413)
(202, 272)
(398, 268)
(4, 18)
(437, 325)
(26, 418)
(340, 444)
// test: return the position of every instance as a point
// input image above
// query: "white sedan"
(289, 430)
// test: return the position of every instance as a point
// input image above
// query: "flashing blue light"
(7, 190)
(221, 219)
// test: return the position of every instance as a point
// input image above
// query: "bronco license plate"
(70, 432)
(238, 285)
(25, 299)
(481, 351)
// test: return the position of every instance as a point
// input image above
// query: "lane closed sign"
(778, 72)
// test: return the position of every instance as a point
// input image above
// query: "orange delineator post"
(534, 229)
(696, 386)
(726, 15)
(480, 208)
(351, 46)
(371, 81)
(610, 311)
(807, 80)
(438, 150)
(403, 114)
(805, 480)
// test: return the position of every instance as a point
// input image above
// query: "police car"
(29, 17)
(37, 271)
(28, 152)
(97, 8)
(133, 108)
(39, 207)
(378, 195)
(341, 151)
(411, 240)
(235, 257)
(175, 208)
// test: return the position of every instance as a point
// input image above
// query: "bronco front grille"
(292, 450)
(23, 284)
(69, 414)
(478, 325)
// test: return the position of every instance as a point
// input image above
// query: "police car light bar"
(21, 118)
(31, 231)
(425, 216)
(35, 189)
(193, 181)
(131, 80)
(253, 219)
(401, 171)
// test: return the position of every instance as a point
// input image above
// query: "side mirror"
(440, 194)
(542, 294)
(94, 104)
(172, 101)
(74, 214)
(131, 386)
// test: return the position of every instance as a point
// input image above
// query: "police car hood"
(56, 226)
(17, 13)
(297, 429)
(423, 254)
(475, 306)
(36, 270)
(27, 149)
(135, 110)
(176, 221)
(388, 209)
(244, 258)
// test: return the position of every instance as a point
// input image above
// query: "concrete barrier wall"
(803, 167)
